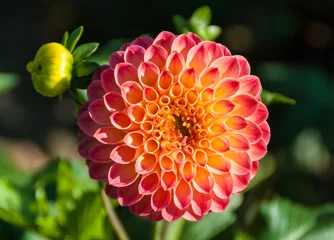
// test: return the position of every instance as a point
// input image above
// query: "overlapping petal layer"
(175, 125)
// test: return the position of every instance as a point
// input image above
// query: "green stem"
(168, 230)
(114, 220)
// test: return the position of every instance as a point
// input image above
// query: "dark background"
(289, 44)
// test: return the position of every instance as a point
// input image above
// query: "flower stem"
(114, 220)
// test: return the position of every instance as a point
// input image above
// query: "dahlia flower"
(51, 70)
(174, 125)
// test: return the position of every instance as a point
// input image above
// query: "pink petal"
(114, 101)
(209, 76)
(227, 67)
(95, 91)
(122, 121)
(125, 72)
(265, 132)
(201, 203)
(161, 199)
(98, 72)
(123, 154)
(255, 168)
(260, 115)
(143, 41)
(226, 88)
(149, 184)
(155, 216)
(194, 37)
(218, 204)
(238, 142)
(108, 81)
(111, 191)
(124, 46)
(190, 215)
(122, 175)
(115, 58)
(245, 105)
(87, 124)
(99, 171)
(165, 40)
(244, 66)
(240, 162)
(156, 55)
(148, 74)
(224, 49)
(252, 132)
(83, 108)
(142, 207)
(175, 63)
(134, 139)
(203, 181)
(223, 185)
(183, 195)
(172, 213)
(182, 44)
(198, 58)
(168, 180)
(214, 50)
(86, 145)
(99, 113)
(101, 153)
(134, 55)
(250, 84)
(240, 182)
(129, 195)
(109, 135)
(258, 150)
(236, 122)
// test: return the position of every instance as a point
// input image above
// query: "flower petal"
(201, 203)
(218, 164)
(101, 153)
(161, 199)
(108, 81)
(146, 163)
(198, 58)
(99, 171)
(165, 39)
(114, 101)
(87, 124)
(132, 92)
(218, 204)
(168, 180)
(85, 145)
(95, 91)
(175, 63)
(245, 105)
(125, 72)
(182, 44)
(172, 213)
(115, 58)
(183, 195)
(148, 74)
(109, 135)
(149, 183)
(203, 181)
(142, 207)
(244, 65)
(134, 55)
(227, 67)
(143, 41)
(241, 163)
(226, 88)
(99, 113)
(156, 55)
(122, 175)
(123, 154)
(129, 195)
(223, 185)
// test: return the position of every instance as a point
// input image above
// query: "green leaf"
(209, 33)
(286, 220)
(74, 38)
(85, 68)
(12, 205)
(272, 97)
(8, 81)
(84, 51)
(200, 18)
(64, 39)
(101, 56)
(180, 24)
(213, 223)
(320, 232)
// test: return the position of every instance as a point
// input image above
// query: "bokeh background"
(289, 44)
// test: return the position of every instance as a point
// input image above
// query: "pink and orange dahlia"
(174, 125)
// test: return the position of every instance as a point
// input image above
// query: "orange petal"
(226, 88)
(134, 139)
(151, 145)
(122, 175)
(114, 101)
(166, 163)
(152, 109)
(191, 97)
(236, 122)
(188, 171)
(156, 55)
(245, 105)
(209, 76)
(123, 154)
(200, 157)
(218, 164)
(125, 72)
(183, 195)
(109, 135)
(188, 78)
(227, 67)
(198, 58)
(179, 156)
(122, 121)
(101, 153)
(129, 195)
(190, 215)
(240, 162)
(165, 40)
(203, 181)
(165, 81)
(146, 163)
(161, 199)
(238, 142)
(222, 107)
(220, 144)
(147, 126)
(206, 95)
(87, 124)
(176, 90)
(182, 44)
(168, 180)
(175, 63)
(148, 74)
(132, 92)
(150, 94)
(215, 129)
(136, 113)
(134, 55)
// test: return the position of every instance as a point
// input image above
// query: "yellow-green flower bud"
(51, 70)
